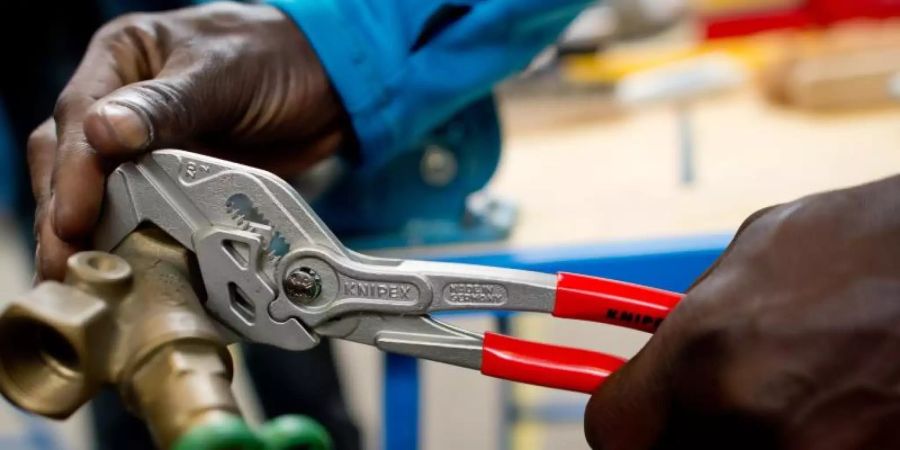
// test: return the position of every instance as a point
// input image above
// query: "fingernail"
(125, 126)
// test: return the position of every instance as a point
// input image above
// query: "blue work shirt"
(404, 67)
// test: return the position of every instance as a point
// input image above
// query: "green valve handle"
(229, 433)
(295, 432)
(282, 433)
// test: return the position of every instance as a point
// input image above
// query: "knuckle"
(39, 139)
(225, 13)
(63, 105)
(767, 230)
(136, 41)
(122, 24)
(755, 217)
(134, 30)
(791, 224)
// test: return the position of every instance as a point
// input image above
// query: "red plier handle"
(585, 298)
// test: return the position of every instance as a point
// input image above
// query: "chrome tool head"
(239, 222)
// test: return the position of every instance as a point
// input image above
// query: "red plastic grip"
(544, 364)
(613, 302)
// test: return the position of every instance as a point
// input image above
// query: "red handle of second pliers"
(613, 302)
(544, 364)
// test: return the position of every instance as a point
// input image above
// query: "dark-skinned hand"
(790, 341)
(239, 82)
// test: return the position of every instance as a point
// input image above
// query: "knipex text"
(638, 319)
(387, 291)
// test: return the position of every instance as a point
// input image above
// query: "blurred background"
(650, 125)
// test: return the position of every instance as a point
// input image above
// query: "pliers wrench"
(275, 274)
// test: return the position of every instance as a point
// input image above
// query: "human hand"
(238, 82)
(790, 341)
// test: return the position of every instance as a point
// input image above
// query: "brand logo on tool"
(645, 321)
(374, 289)
(475, 293)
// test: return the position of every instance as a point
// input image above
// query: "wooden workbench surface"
(582, 175)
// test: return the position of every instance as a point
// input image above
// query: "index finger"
(117, 55)
(50, 252)
(41, 154)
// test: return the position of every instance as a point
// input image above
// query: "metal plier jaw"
(275, 274)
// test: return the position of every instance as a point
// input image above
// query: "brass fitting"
(131, 319)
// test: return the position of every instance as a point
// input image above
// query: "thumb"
(149, 114)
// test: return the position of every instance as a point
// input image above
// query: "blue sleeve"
(403, 67)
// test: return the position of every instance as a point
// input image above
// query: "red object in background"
(722, 27)
(832, 11)
(813, 13)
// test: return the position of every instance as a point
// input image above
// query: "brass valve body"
(131, 319)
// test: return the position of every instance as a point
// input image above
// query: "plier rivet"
(302, 285)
